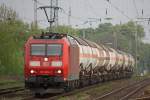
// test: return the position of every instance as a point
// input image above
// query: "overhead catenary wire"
(77, 17)
(142, 8)
(74, 17)
(91, 8)
(120, 11)
(135, 7)
(39, 3)
(68, 14)
(35, 13)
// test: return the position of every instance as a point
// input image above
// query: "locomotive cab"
(46, 61)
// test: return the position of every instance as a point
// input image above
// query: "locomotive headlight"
(56, 63)
(32, 71)
(45, 59)
(34, 63)
(59, 71)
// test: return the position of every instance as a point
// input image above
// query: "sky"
(120, 11)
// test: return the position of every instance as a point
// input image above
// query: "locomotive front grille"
(40, 81)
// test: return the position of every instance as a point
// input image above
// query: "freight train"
(60, 61)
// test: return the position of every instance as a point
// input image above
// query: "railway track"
(57, 96)
(124, 93)
(26, 95)
(143, 98)
(11, 90)
(14, 93)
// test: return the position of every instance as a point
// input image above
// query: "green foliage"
(105, 28)
(65, 29)
(10, 47)
(124, 37)
(13, 33)
(7, 13)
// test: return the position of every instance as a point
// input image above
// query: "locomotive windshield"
(54, 49)
(38, 49)
(46, 50)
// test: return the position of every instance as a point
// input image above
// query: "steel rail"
(11, 90)
(134, 91)
(122, 89)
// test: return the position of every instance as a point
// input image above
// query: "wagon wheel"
(38, 94)
(81, 74)
(91, 73)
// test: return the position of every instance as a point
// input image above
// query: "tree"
(65, 29)
(125, 36)
(7, 13)
(11, 57)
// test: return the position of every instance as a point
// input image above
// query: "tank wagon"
(60, 61)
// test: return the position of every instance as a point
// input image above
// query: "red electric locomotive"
(47, 61)
(58, 61)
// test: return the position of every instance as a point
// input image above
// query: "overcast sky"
(119, 10)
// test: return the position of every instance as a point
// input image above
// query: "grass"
(140, 77)
(3, 82)
(86, 95)
(8, 98)
(100, 89)
(8, 81)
